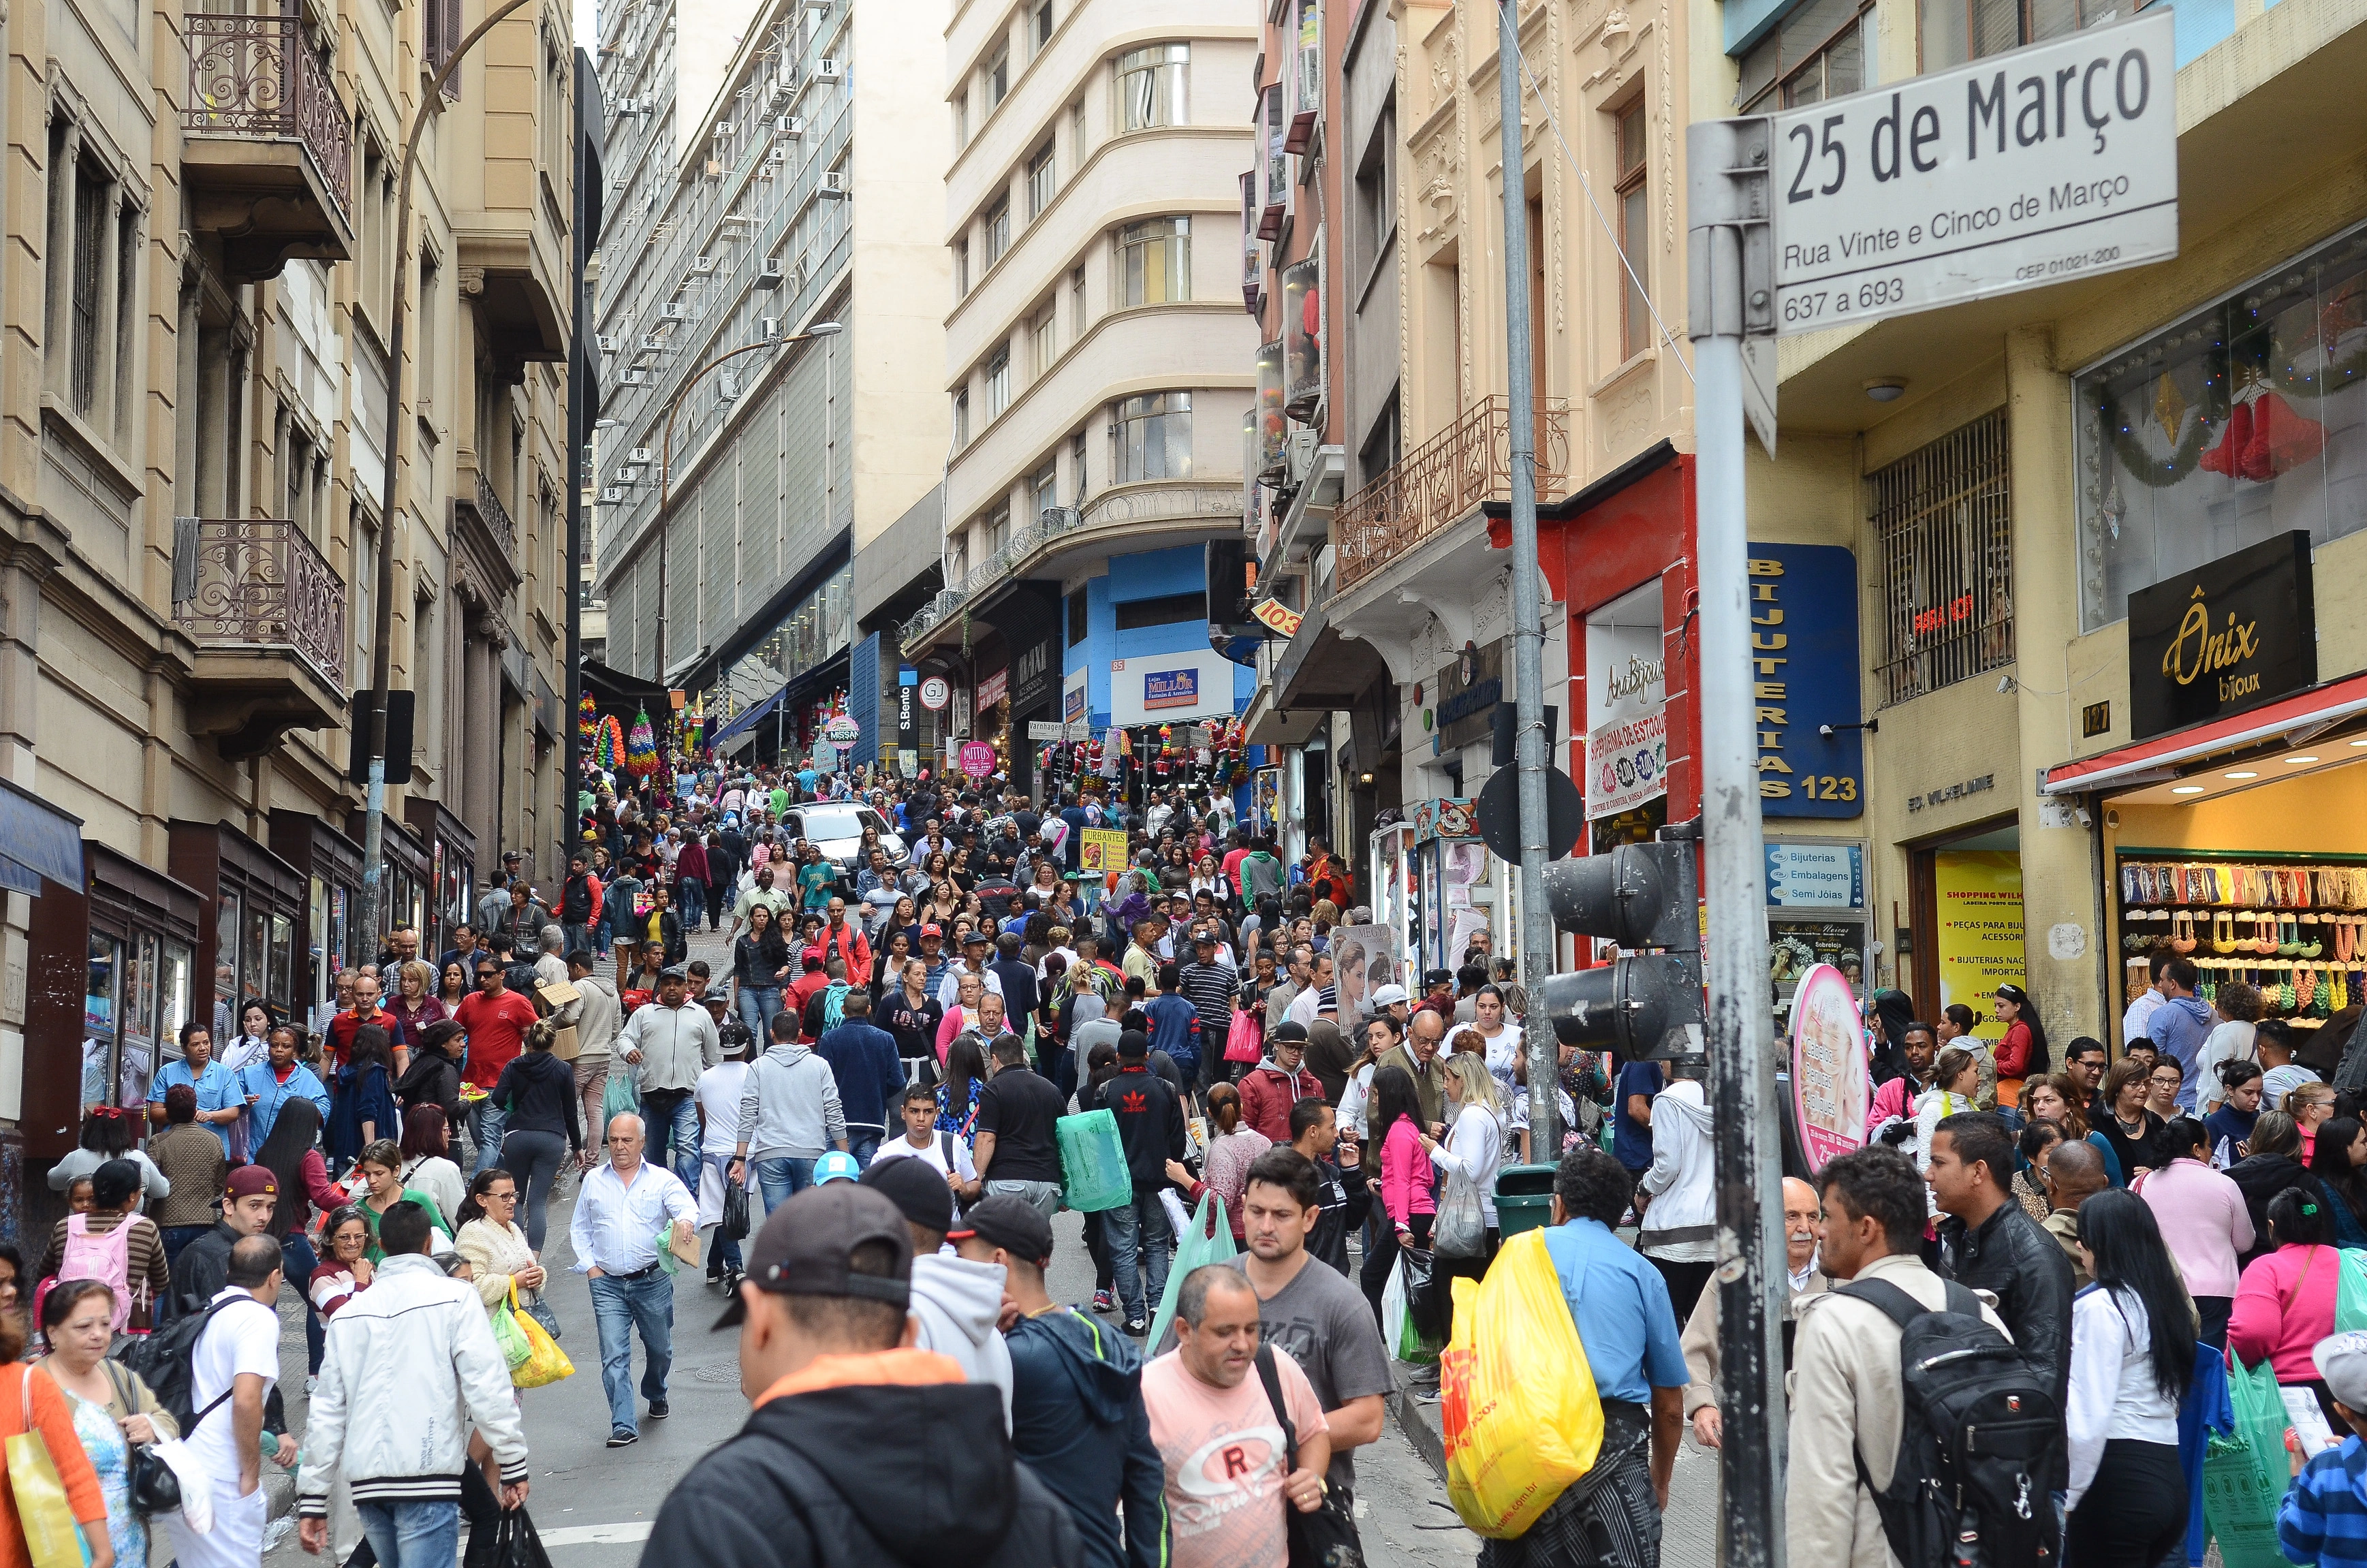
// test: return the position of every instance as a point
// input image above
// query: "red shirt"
(342, 1027)
(497, 1027)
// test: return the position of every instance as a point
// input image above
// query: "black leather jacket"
(2011, 1255)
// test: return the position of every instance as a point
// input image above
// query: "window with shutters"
(1819, 50)
(1943, 523)
(442, 31)
(90, 220)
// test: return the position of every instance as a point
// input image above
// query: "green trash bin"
(1524, 1200)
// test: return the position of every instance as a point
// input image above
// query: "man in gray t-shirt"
(1309, 1310)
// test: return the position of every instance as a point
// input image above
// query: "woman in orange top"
(54, 1422)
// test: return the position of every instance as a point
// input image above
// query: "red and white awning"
(2319, 706)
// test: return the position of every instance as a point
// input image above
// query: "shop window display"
(2246, 420)
(2295, 927)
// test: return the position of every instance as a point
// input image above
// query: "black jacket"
(1149, 1123)
(874, 1475)
(431, 1078)
(203, 1267)
(1347, 1198)
(2012, 1256)
(576, 900)
(2262, 1177)
(539, 1090)
(1077, 1421)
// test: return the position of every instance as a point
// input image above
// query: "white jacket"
(956, 1302)
(409, 1368)
(1682, 1182)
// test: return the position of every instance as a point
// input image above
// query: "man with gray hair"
(619, 1213)
(549, 965)
(1202, 1400)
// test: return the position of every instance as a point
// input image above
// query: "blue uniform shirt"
(217, 1090)
(1621, 1306)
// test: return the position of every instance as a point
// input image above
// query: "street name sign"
(2053, 161)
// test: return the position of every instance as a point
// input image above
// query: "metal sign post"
(2019, 170)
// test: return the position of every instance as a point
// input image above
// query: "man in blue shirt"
(1631, 1133)
(1621, 1306)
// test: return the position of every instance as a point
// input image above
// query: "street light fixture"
(665, 456)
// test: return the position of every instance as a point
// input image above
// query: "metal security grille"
(89, 237)
(1943, 522)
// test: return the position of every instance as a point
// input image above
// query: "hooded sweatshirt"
(1077, 1421)
(2179, 1026)
(955, 1303)
(1680, 1184)
(789, 1108)
(882, 1459)
(1268, 1091)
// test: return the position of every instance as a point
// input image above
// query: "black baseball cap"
(1009, 1222)
(805, 1246)
(916, 1189)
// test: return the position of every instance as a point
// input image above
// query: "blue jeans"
(485, 1124)
(863, 1142)
(782, 1177)
(759, 1005)
(1142, 1224)
(691, 894)
(617, 1307)
(295, 1247)
(423, 1534)
(672, 1132)
(178, 1236)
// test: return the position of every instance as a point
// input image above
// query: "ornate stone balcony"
(267, 614)
(267, 153)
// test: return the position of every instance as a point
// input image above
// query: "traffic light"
(1643, 1005)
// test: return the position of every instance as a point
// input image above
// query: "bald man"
(2074, 1173)
(1804, 1228)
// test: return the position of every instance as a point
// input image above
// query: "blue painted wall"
(1152, 574)
(863, 697)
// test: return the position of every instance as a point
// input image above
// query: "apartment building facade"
(1096, 366)
(780, 181)
(200, 267)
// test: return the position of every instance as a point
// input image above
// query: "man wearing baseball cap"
(862, 1447)
(1076, 1415)
(248, 1198)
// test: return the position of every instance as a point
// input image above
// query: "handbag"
(1326, 1535)
(153, 1487)
(513, 1542)
(52, 1538)
(539, 1310)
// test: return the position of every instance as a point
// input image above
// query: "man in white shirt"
(972, 962)
(618, 1215)
(2134, 1022)
(1318, 999)
(231, 1372)
(944, 1151)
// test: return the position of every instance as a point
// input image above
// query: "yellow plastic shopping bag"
(1517, 1399)
(548, 1363)
(52, 1539)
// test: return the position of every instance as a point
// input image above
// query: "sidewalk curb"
(1419, 1422)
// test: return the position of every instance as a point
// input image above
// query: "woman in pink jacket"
(2284, 1304)
(1405, 1182)
(2202, 1220)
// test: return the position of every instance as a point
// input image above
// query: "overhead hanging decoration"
(641, 747)
(608, 746)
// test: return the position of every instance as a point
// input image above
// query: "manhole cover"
(718, 1372)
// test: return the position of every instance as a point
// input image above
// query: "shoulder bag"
(1326, 1537)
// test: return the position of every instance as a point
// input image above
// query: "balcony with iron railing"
(267, 149)
(1443, 484)
(1155, 506)
(266, 612)
(482, 526)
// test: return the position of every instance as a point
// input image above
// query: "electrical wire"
(1553, 122)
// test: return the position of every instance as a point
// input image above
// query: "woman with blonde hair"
(1474, 1148)
(414, 1004)
(1954, 1080)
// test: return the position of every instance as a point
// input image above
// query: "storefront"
(451, 871)
(258, 903)
(404, 880)
(330, 865)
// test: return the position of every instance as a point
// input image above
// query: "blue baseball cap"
(836, 1165)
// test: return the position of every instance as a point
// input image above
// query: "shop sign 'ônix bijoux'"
(2228, 635)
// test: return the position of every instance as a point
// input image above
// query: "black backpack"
(162, 1361)
(1979, 1435)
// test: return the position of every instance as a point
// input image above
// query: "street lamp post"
(665, 458)
(383, 633)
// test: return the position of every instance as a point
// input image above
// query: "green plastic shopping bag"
(2350, 1296)
(1094, 1172)
(1194, 1247)
(2245, 1475)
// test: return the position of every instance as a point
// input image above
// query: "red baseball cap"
(930, 931)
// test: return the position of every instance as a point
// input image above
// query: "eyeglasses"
(500, 1197)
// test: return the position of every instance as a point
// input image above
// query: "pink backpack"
(105, 1258)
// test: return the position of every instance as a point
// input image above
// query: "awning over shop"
(37, 840)
(2309, 711)
(614, 688)
(746, 721)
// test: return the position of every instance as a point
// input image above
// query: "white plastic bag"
(1178, 1221)
(197, 1485)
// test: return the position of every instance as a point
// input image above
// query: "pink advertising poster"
(1829, 1065)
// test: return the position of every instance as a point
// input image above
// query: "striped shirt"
(2323, 1518)
(1209, 988)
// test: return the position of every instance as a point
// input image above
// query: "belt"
(636, 1274)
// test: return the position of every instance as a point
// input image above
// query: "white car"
(835, 827)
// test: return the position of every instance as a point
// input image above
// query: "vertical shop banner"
(1829, 1065)
(1981, 935)
(1363, 959)
(908, 710)
(1101, 849)
(1626, 765)
(1803, 656)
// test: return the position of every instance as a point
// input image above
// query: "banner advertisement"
(1829, 1065)
(1363, 959)
(1981, 935)
(1101, 849)
(1626, 765)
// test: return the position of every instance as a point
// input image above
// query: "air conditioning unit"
(1299, 454)
(725, 388)
(651, 343)
(608, 344)
(642, 455)
(612, 495)
(776, 153)
(771, 272)
(787, 77)
(678, 310)
(827, 69)
(714, 168)
(832, 184)
(629, 475)
(789, 125)
(700, 266)
(632, 378)
(768, 327)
